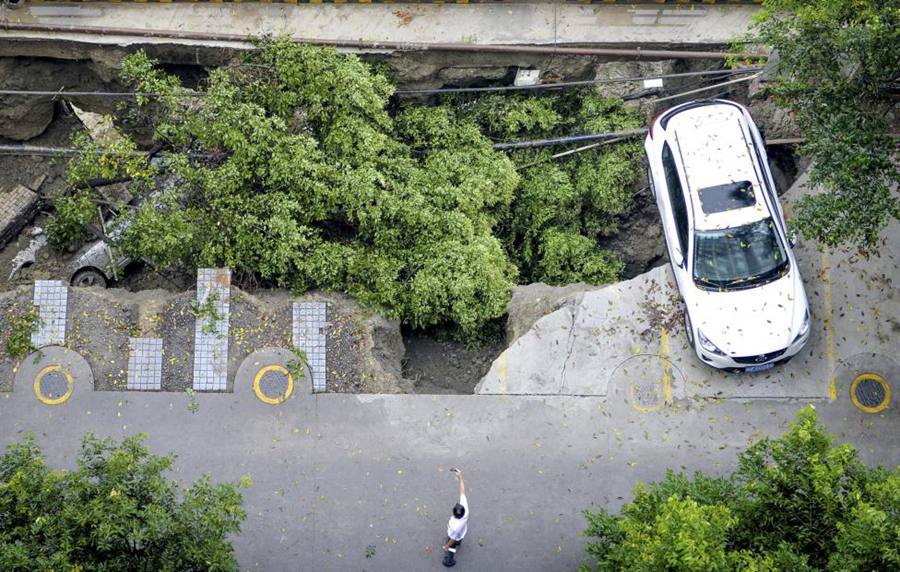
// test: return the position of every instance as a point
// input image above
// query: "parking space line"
(829, 325)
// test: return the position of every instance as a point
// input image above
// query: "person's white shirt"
(457, 527)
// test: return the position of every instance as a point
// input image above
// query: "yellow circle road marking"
(273, 400)
(70, 385)
(636, 401)
(878, 379)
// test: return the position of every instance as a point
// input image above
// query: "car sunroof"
(721, 198)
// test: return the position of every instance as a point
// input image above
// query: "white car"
(744, 303)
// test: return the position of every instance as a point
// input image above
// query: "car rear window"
(730, 196)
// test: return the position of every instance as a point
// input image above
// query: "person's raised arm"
(462, 484)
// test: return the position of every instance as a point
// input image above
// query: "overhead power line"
(502, 88)
(565, 84)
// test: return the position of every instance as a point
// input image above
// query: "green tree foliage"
(291, 168)
(115, 511)
(837, 72)
(797, 502)
(563, 206)
(288, 166)
(93, 164)
(72, 214)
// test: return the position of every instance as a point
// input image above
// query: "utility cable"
(564, 84)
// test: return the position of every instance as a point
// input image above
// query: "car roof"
(713, 145)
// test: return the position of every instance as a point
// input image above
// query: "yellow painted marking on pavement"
(502, 372)
(829, 325)
(273, 400)
(636, 402)
(70, 385)
(667, 366)
(876, 378)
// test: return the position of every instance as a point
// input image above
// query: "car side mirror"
(679, 260)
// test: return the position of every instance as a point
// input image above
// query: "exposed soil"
(446, 366)
(639, 240)
(13, 305)
(23, 169)
(98, 328)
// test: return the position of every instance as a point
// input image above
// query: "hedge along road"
(334, 474)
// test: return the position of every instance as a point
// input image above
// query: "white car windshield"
(739, 257)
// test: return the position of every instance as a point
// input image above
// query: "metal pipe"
(366, 44)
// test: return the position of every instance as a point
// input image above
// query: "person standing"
(458, 524)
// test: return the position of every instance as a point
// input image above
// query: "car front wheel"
(88, 278)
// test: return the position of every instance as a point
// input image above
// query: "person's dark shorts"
(452, 543)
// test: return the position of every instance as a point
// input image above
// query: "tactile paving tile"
(211, 346)
(308, 334)
(51, 298)
(144, 364)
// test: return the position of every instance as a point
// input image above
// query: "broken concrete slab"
(576, 349)
(98, 125)
(532, 301)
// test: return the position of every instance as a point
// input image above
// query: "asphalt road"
(335, 474)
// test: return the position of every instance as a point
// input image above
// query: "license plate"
(755, 368)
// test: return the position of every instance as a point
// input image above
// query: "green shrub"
(113, 509)
(291, 168)
(18, 339)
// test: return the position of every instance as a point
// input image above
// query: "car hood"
(753, 321)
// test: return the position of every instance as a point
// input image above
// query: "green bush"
(18, 338)
(291, 168)
(115, 510)
(794, 503)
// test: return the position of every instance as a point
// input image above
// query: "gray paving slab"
(144, 364)
(51, 298)
(308, 328)
(335, 473)
(211, 330)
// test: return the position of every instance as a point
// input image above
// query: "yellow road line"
(502, 372)
(667, 366)
(829, 325)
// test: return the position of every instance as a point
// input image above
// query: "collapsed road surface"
(634, 331)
